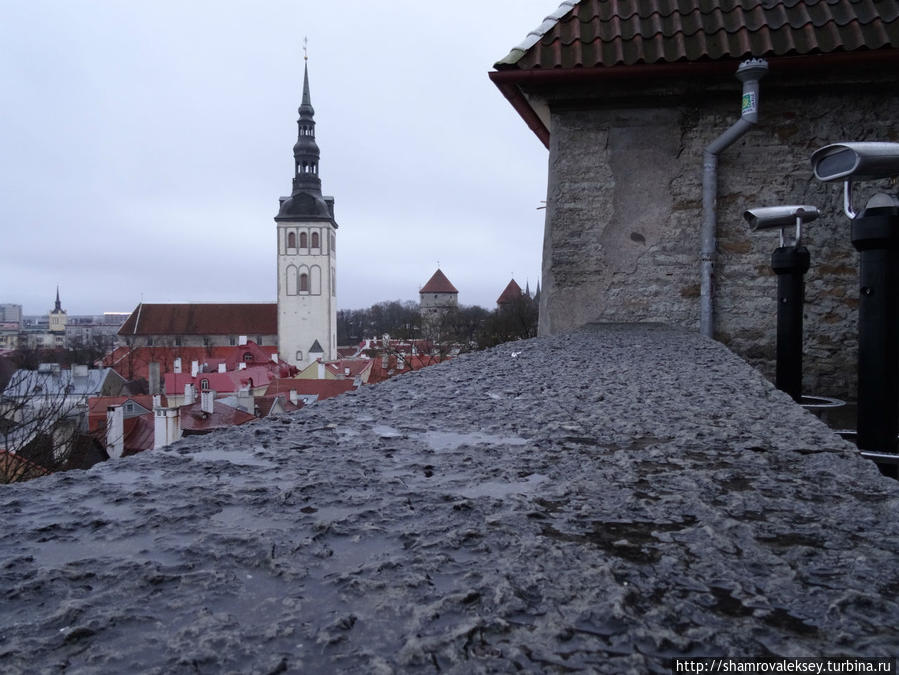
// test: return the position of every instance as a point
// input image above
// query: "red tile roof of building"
(438, 283)
(511, 293)
(140, 435)
(221, 383)
(264, 404)
(598, 41)
(599, 33)
(321, 388)
(224, 318)
(134, 363)
(195, 421)
(397, 365)
(97, 405)
(354, 366)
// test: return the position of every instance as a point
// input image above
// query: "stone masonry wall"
(521, 509)
(624, 210)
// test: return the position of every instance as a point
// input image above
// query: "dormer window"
(247, 356)
(204, 384)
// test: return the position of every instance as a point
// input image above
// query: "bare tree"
(41, 422)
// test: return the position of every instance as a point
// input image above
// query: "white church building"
(307, 262)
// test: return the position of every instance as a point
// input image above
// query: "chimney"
(293, 396)
(194, 368)
(385, 361)
(245, 401)
(167, 427)
(275, 357)
(189, 393)
(241, 340)
(346, 372)
(79, 370)
(222, 367)
(177, 367)
(115, 431)
(157, 401)
(321, 370)
(242, 365)
(154, 377)
(207, 401)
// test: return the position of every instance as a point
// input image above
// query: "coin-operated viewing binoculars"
(875, 235)
(790, 263)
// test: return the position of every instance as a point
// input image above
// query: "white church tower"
(307, 263)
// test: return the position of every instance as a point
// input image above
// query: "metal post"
(790, 263)
(875, 234)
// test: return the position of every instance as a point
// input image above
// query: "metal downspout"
(749, 73)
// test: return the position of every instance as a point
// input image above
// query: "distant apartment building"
(10, 326)
(99, 331)
(11, 314)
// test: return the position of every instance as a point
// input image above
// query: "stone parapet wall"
(601, 501)
(624, 211)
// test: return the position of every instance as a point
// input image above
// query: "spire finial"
(305, 50)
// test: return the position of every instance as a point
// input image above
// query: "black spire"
(58, 307)
(305, 199)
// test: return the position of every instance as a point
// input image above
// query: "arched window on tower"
(315, 242)
(304, 283)
(304, 240)
(291, 240)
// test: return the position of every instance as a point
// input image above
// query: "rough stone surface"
(601, 501)
(624, 208)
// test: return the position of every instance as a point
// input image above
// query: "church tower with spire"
(57, 317)
(307, 262)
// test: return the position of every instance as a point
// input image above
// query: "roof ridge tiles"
(739, 23)
(596, 33)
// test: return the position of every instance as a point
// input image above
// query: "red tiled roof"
(265, 404)
(322, 388)
(239, 318)
(597, 33)
(195, 421)
(136, 364)
(97, 405)
(140, 433)
(355, 367)
(230, 381)
(589, 41)
(409, 363)
(511, 293)
(438, 283)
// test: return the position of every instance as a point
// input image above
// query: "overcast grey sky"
(145, 144)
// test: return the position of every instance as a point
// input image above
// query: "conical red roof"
(511, 294)
(438, 284)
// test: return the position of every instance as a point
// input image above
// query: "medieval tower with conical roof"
(307, 263)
